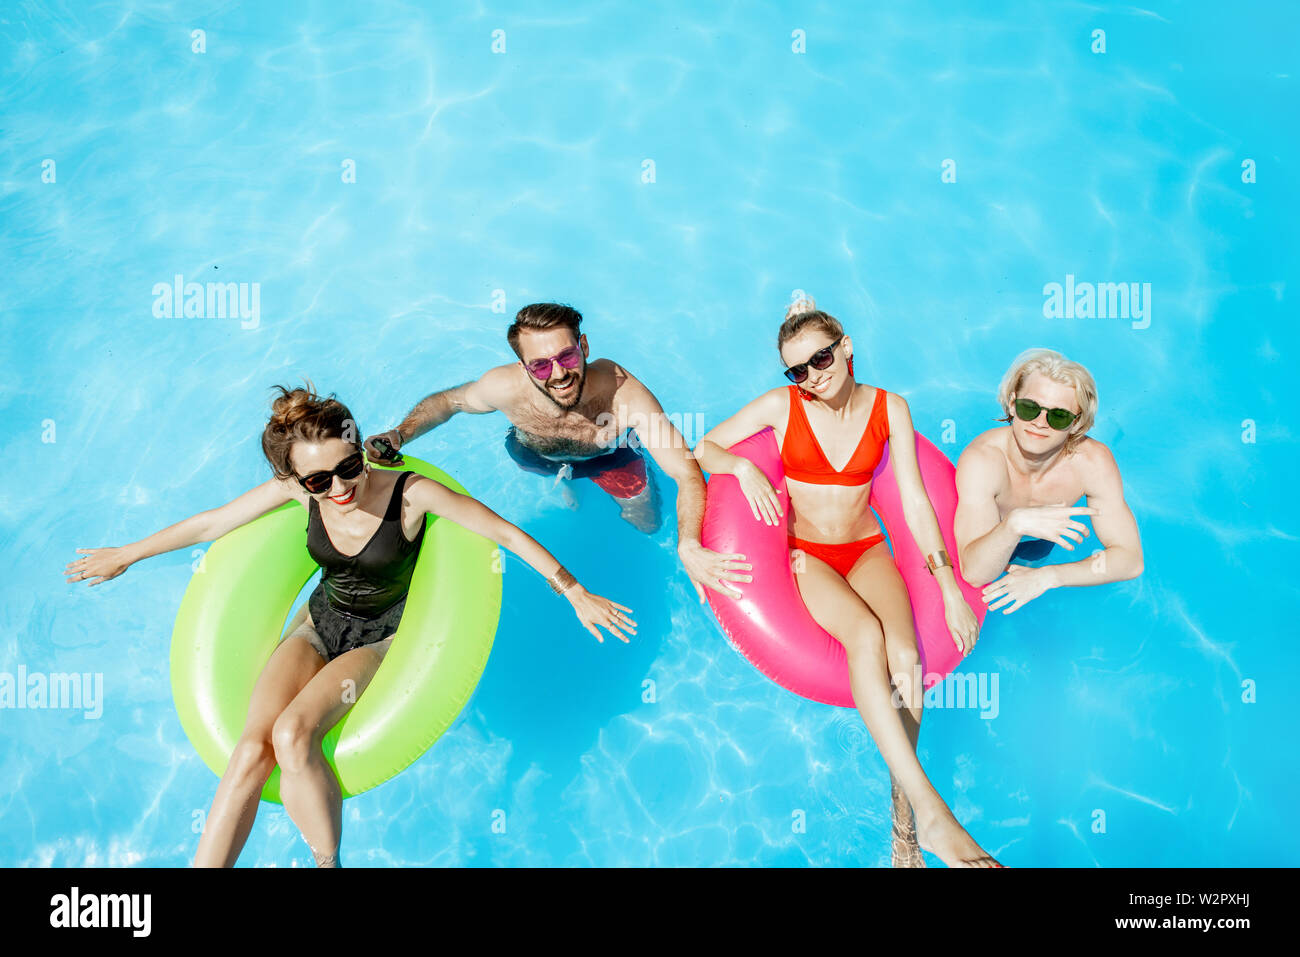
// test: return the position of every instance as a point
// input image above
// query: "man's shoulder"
(984, 450)
(614, 381)
(1095, 457)
(500, 382)
(606, 368)
(507, 372)
(983, 463)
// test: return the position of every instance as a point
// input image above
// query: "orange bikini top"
(804, 460)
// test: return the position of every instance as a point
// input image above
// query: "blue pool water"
(1137, 724)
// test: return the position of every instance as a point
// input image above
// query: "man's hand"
(378, 454)
(712, 569)
(1019, 586)
(1052, 523)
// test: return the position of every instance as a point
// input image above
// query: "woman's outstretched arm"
(470, 513)
(101, 564)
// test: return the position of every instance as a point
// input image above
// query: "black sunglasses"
(349, 468)
(821, 359)
(1058, 419)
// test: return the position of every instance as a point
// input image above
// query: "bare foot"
(943, 837)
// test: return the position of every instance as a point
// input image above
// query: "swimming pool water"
(486, 180)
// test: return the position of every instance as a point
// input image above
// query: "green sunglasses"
(1058, 419)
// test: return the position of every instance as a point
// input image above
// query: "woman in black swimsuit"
(364, 529)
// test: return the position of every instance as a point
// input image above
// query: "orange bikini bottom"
(840, 557)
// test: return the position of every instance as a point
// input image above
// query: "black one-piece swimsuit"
(360, 597)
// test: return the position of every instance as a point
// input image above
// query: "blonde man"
(1023, 480)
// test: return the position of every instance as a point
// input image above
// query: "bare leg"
(842, 612)
(564, 479)
(641, 511)
(905, 847)
(566, 495)
(230, 819)
(308, 786)
(875, 578)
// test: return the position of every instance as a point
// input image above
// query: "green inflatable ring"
(234, 613)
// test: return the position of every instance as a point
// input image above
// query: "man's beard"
(575, 397)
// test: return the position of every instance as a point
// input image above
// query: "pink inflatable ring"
(770, 625)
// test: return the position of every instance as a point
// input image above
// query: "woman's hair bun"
(302, 415)
(800, 306)
(291, 406)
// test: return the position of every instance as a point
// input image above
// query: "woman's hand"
(762, 498)
(593, 610)
(1019, 586)
(100, 564)
(962, 623)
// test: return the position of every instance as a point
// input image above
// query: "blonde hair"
(803, 315)
(1059, 369)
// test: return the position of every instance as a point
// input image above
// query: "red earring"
(805, 394)
(850, 366)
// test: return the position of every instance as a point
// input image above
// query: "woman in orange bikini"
(845, 574)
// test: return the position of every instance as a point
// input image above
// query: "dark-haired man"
(572, 419)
